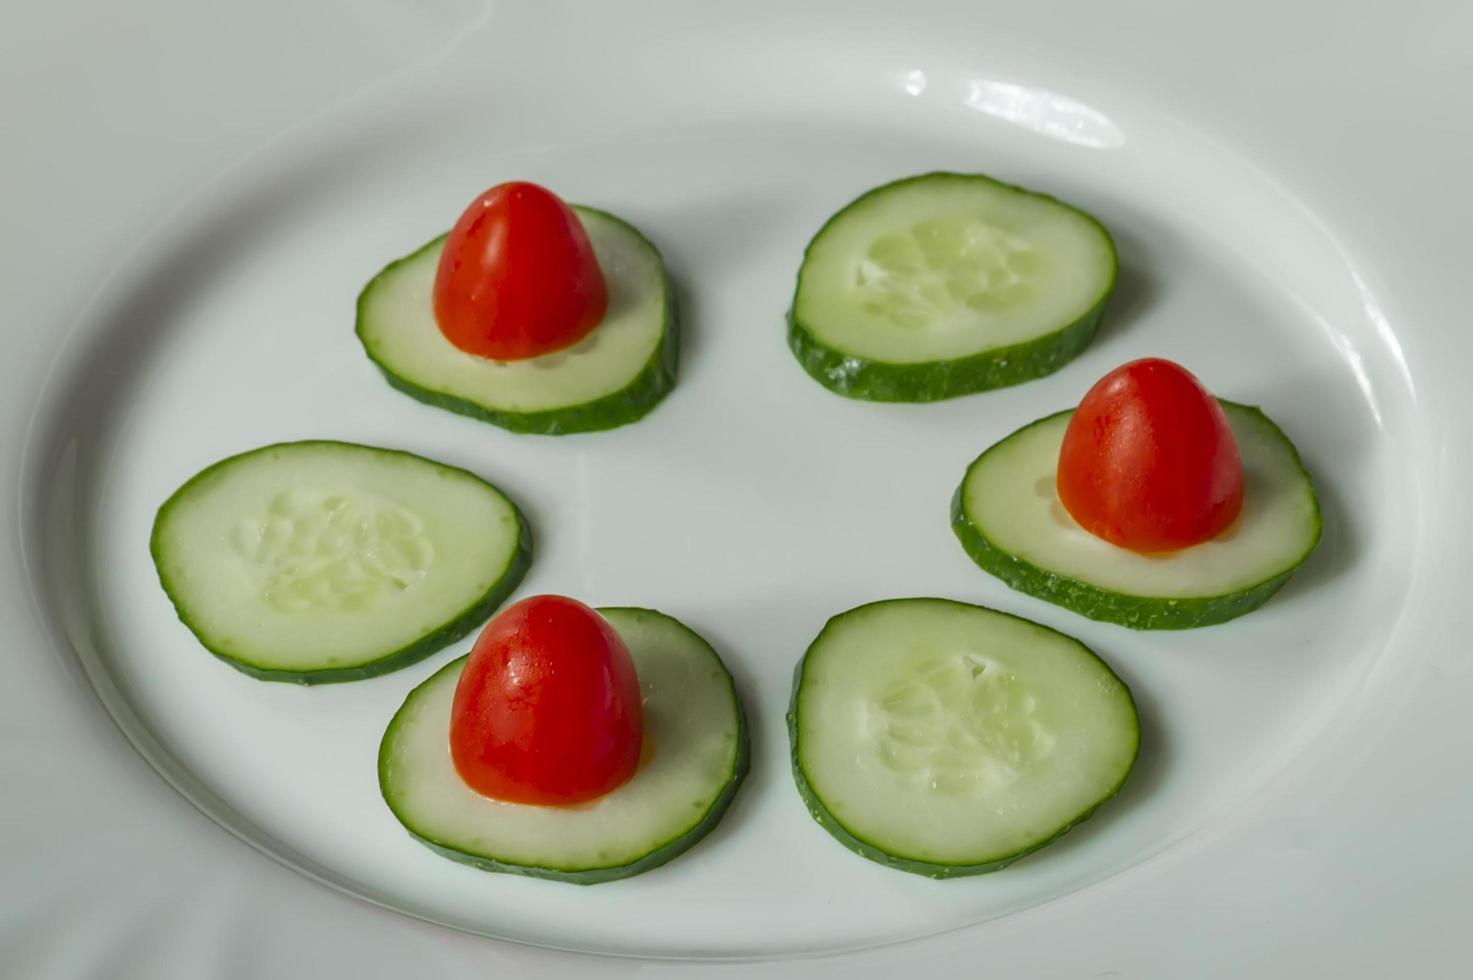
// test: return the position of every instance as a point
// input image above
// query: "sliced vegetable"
(1149, 461)
(947, 739)
(697, 756)
(320, 561)
(547, 708)
(517, 277)
(613, 376)
(1008, 517)
(946, 284)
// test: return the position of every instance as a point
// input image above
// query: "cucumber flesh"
(1008, 517)
(328, 561)
(945, 284)
(613, 376)
(697, 755)
(947, 739)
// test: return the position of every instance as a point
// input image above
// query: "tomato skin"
(547, 710)
(518, 277)
(1149, 461)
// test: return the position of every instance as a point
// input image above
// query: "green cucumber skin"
(858, 377)
(855, 377)
(928, 869)
(597, 876)
(629, 404)
(465, 621)
(1131, 611)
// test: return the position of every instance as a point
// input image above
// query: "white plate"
(1299, 803)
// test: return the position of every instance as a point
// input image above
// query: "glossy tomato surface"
(1149, 461)
(518, 277)
(547, 709)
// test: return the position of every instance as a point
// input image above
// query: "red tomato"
(1149, 462)
(547, 710)
(517, 277)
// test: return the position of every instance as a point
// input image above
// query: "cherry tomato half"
(518, 277)
(547, 710)
(1149, 461)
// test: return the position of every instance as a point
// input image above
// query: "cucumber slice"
(947, 284)
(320, 561)
(1008, 517)
(696, 757)
(947, 739)
(612, 377)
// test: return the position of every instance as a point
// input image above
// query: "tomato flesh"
(1149, 461)
(547, 710)
(517, 276)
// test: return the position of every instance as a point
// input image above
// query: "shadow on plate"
(1136, 288)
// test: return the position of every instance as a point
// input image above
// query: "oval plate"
(1274, 235)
